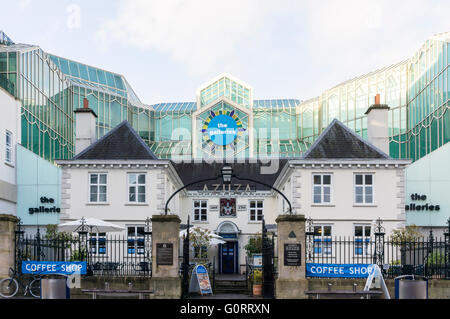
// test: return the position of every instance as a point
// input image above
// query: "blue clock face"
(222, 130)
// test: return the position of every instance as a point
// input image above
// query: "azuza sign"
(338, 270)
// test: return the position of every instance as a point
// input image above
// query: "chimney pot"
(377, 99)
(85, 103)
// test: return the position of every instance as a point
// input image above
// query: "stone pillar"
(165, 249)
(291, 282)
(7, 245)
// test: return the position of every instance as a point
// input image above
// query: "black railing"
(422, 256)
(105, 256)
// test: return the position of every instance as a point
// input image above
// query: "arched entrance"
(228, 252)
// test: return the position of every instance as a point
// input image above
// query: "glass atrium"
(51, 87)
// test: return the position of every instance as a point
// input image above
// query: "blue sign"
(223, 130)
(54, 267)
(203, 279)
(338, 270)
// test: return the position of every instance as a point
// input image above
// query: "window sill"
(365, 205)
(323, 205)
(136, 204)
(200, 222)
(255, 222)
(227, 216)
(9, 164)
(97, 204)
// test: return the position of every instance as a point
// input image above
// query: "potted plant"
(257, 282)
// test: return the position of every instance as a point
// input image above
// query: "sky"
(166, 49)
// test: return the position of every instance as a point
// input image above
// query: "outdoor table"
(117, 292)
(361, 293)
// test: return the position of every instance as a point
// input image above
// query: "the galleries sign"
(48, 208)
(422, 205)
(222, 128)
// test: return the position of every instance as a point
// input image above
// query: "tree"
(200, 239)
(254, 245)
(407, 234)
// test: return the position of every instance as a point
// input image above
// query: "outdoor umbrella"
(93, 225)
(215, 239)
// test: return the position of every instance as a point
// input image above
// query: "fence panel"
(426, 257)
(105, 256)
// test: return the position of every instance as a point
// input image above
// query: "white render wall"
(75, 194)
(342, 213)
(9, 120)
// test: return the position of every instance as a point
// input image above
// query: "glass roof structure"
(417, 90)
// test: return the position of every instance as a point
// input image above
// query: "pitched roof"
(338, 141)
(194, 171)
(121, 143)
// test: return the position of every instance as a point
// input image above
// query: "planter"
(257, 289)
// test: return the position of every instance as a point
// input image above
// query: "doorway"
(228, 257)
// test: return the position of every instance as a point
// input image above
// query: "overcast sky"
(283, 48)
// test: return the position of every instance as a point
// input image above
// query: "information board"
(200, 281)
(292, 255)
(54, 267)
(164, 254)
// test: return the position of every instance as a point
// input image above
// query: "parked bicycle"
(10, 286)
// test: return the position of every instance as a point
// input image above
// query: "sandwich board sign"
(200, 281)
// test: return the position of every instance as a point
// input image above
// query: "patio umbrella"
(93, 225)
(215, 239)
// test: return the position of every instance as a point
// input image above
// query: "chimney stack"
(377, 125)
(85, 133)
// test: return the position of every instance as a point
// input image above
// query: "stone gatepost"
(291, 282)
(7, 245)
(165, 262)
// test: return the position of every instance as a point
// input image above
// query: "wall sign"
(164, 254)
(54, 267)
(242, 207)
(228, 207)
(222, 129)
(338, 270)
(423, 207)
(42, 209)
(292, 255)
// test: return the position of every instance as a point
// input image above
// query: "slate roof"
(121, 143)
(192, 171)
(337, 141)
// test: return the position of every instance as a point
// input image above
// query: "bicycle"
(10, 286)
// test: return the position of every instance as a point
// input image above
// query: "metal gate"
(267, 263)
(185, 267)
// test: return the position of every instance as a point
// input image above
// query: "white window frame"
(326, 250)
(136, 186)
(365, 240)
(9, 147)
(200, 208)
(322, 187)
(364, 188)
(97, 185)
(259, 211)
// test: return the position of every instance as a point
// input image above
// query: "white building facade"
(9, 138)
(343, 184)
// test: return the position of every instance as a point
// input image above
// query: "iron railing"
(105, 256)
(424, 256)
